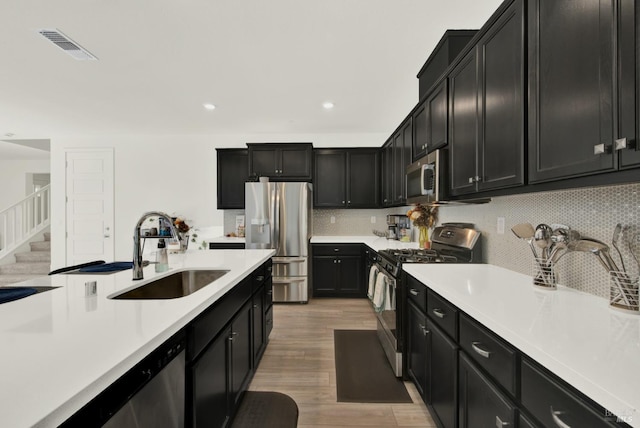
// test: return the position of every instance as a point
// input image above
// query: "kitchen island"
(573, 335)
(63, 347)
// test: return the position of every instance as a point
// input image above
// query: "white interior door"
(89, 193)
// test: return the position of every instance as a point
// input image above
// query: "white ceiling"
(267, 64)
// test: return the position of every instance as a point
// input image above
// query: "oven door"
(387, 324)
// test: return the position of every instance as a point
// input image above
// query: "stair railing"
(21, 221)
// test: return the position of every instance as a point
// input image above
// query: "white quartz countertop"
(374, 242)
(61, 348)
(573, 334)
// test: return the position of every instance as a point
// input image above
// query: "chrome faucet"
(137, 249)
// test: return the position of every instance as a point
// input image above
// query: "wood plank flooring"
(299, 362)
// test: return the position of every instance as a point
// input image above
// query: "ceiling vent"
(66, 44)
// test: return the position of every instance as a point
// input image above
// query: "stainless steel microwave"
(425, 179)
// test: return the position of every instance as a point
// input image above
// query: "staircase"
(29, 264)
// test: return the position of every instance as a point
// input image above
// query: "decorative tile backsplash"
(593, 212)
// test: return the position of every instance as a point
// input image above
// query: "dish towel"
(108, 267)
(380, 292)
(373, 273)
(8, 294)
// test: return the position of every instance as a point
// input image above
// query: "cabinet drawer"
(417, 293)
(490, 352)
(443, 313)
(336, 249)
(553, 404)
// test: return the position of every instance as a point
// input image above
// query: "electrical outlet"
(373, 219)
(333, 219)
(500, 226)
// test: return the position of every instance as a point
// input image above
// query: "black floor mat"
(266, 409)
(363, 374)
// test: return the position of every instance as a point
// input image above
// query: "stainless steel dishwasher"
(150, 395)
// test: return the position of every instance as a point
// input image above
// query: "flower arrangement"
(424, 218)
(183, 228)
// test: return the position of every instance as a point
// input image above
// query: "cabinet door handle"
(413, 292)
(599, 149)
(255, 306)
(438, 312)
(339, 261)
(470, 180)
(620, 143)
(482, 352)
(500, 423)
(424, 329)
(555, 415)
(269, 293)
(335, 250)
(259, 278)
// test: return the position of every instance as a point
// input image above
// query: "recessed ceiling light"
(209, 106)
(328, 105)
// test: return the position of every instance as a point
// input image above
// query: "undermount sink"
(176, 285)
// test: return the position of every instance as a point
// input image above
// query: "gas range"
(450, 243)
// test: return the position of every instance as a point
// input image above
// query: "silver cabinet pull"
(335, 250)
(339, 261)
(470, 180)
(482, 352)
(555, 415)
(500, 423)
(413, 292)
(598, 149)
(424, 329)
(620, 143)
(438, 312)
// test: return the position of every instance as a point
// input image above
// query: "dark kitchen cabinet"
(480, 403)
(581, 68)
(387, 173)
(233, 172)
(443, 357)
(282, 162)
(241, 355)
(402, 144)
(430, 125)
(487, 109)
(417, 342)
(554, 405)
(210, 384)
(432, 365)
(338, 270)
(259, 336)
(463, 125)
(346, 178)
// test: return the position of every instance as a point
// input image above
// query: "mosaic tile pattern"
(593, 212)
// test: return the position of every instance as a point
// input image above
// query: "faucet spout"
(137, 248)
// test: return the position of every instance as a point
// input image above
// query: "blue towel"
(108, 267)
(8, 294)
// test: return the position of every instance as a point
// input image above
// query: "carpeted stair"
(28, 265)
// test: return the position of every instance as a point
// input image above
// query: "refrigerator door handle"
(275, 238)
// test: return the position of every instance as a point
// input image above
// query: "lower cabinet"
(416, 350)
(241, 355)
(554, 405)
(259, 324)
(210, 384)
(481, 404)
(338, 270)
(432, 364)
(470, 377)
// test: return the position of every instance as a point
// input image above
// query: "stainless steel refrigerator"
(278, 216)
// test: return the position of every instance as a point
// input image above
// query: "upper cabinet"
(430, 122)
(402, 142)
(233, 172)
(581, 85)
(486, 107)
(387, 173)
(346, 178)
(282, 162)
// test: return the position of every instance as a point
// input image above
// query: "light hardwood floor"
(299, 362)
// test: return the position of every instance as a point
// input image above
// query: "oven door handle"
(390, 279)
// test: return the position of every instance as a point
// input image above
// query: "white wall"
(175, 174)
(13, 178)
